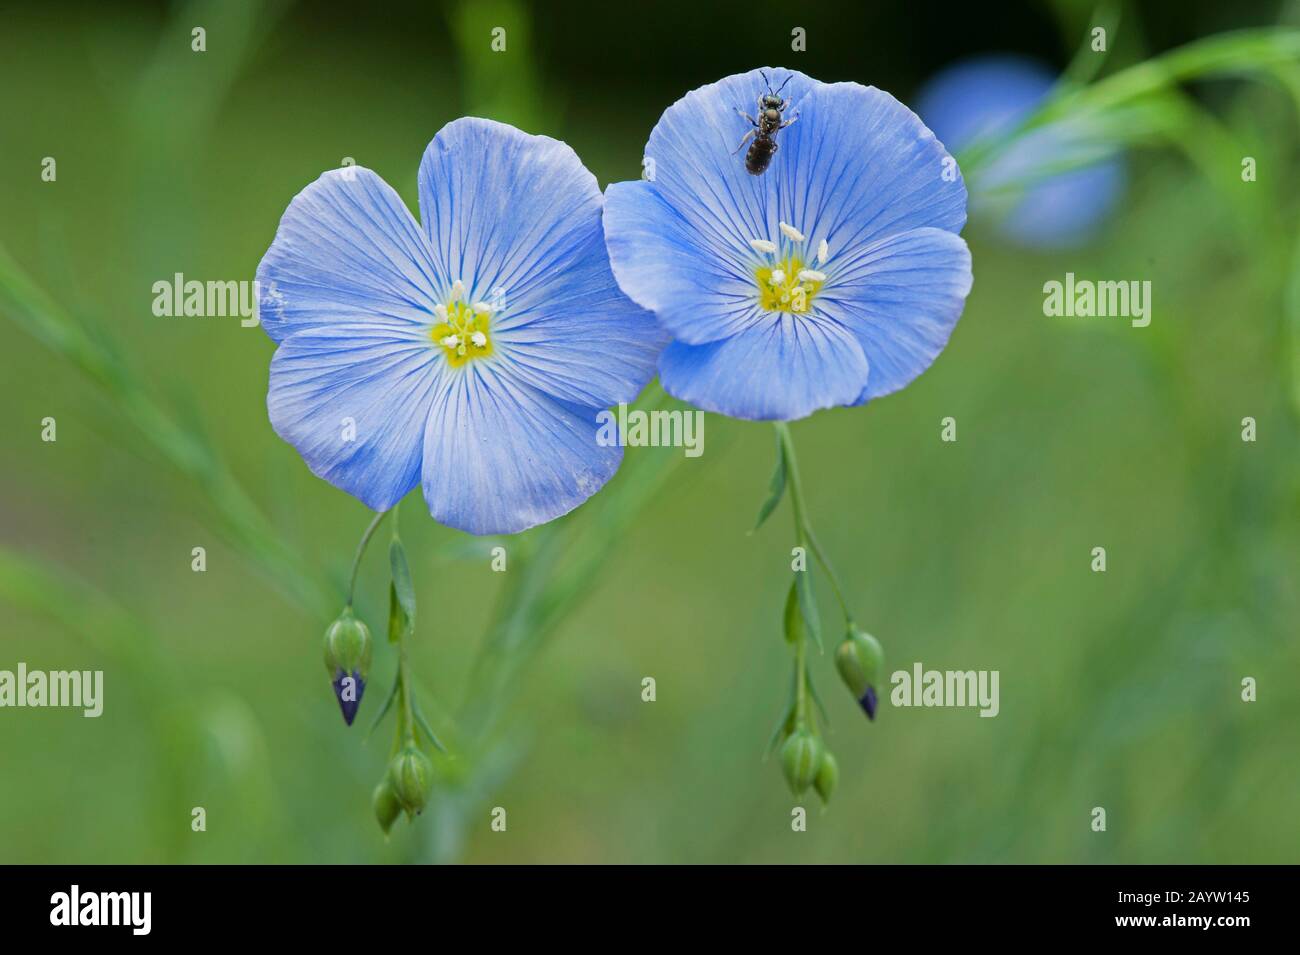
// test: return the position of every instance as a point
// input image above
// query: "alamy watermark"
(190, 298)
(652, 429)
(1084, 298)
(70, 688)
(922, 687)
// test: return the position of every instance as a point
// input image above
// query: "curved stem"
(803, 529)
(405, 699)
(361, 549)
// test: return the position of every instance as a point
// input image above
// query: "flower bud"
(347, 657)
(385, 804)
(828, 776)
(801, 758)
(860, 662)
(411, 776)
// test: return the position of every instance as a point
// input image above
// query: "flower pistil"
(788, 285)
(463, 328)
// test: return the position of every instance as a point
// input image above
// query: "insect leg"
(753, 122)
(748, 135)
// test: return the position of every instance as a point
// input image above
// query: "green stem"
(361, 549)
(801, 534)
(804, 535)
(406, 703)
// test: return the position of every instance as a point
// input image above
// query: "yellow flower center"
(463, 331)
(787, 286)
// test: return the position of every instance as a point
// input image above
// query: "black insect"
(768, 124)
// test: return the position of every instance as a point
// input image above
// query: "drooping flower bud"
(347, 658)
(861, 661)
(828, 776)
(385, 804)
(411, 776)
(801, 758)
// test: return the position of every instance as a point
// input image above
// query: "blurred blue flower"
(470, 353)
(833, 278)
(990, 96)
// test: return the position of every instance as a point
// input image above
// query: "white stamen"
(484, 307)
(811, 275)
(762, 245)
(776, 278)
(441, 312)
(790, 232)
(457, 290)
(823, 252)
(479, 339)
(451, 341)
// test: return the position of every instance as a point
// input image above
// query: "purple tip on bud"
(868, 702)
(348, 690)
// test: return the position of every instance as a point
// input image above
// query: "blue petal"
(900, 297)
(782, 368)
(501, 456)
(517, 218)
(347, 250)
(670, 269)
(382, 379)
(855, 167)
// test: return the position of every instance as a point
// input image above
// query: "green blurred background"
(1119, 690)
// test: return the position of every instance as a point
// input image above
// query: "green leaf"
(424, 726)
(812, 690)
(398, 623)
(786, 724)
(402, 585)
(808, 606)
(775, 490)
(383, 710)
(793, 622)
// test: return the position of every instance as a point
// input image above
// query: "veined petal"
(346, 250)
(353, 400)
(503, 209)
(517, 218)
(855, 166)
(785, 367)
(501, 456)
(664, 265)
(588, 344)
(901, 298)
(863, 166)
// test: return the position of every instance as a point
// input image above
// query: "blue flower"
(833, 278)
(470, 352)
(988, 96)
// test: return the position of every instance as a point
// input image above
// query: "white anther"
(441, 312)
(457, 290)
(483, 306)
(790, 232)
(479, 339)
(762, 245)
(776, 278)
(451, 341)
(811, 275)
(823, 252)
